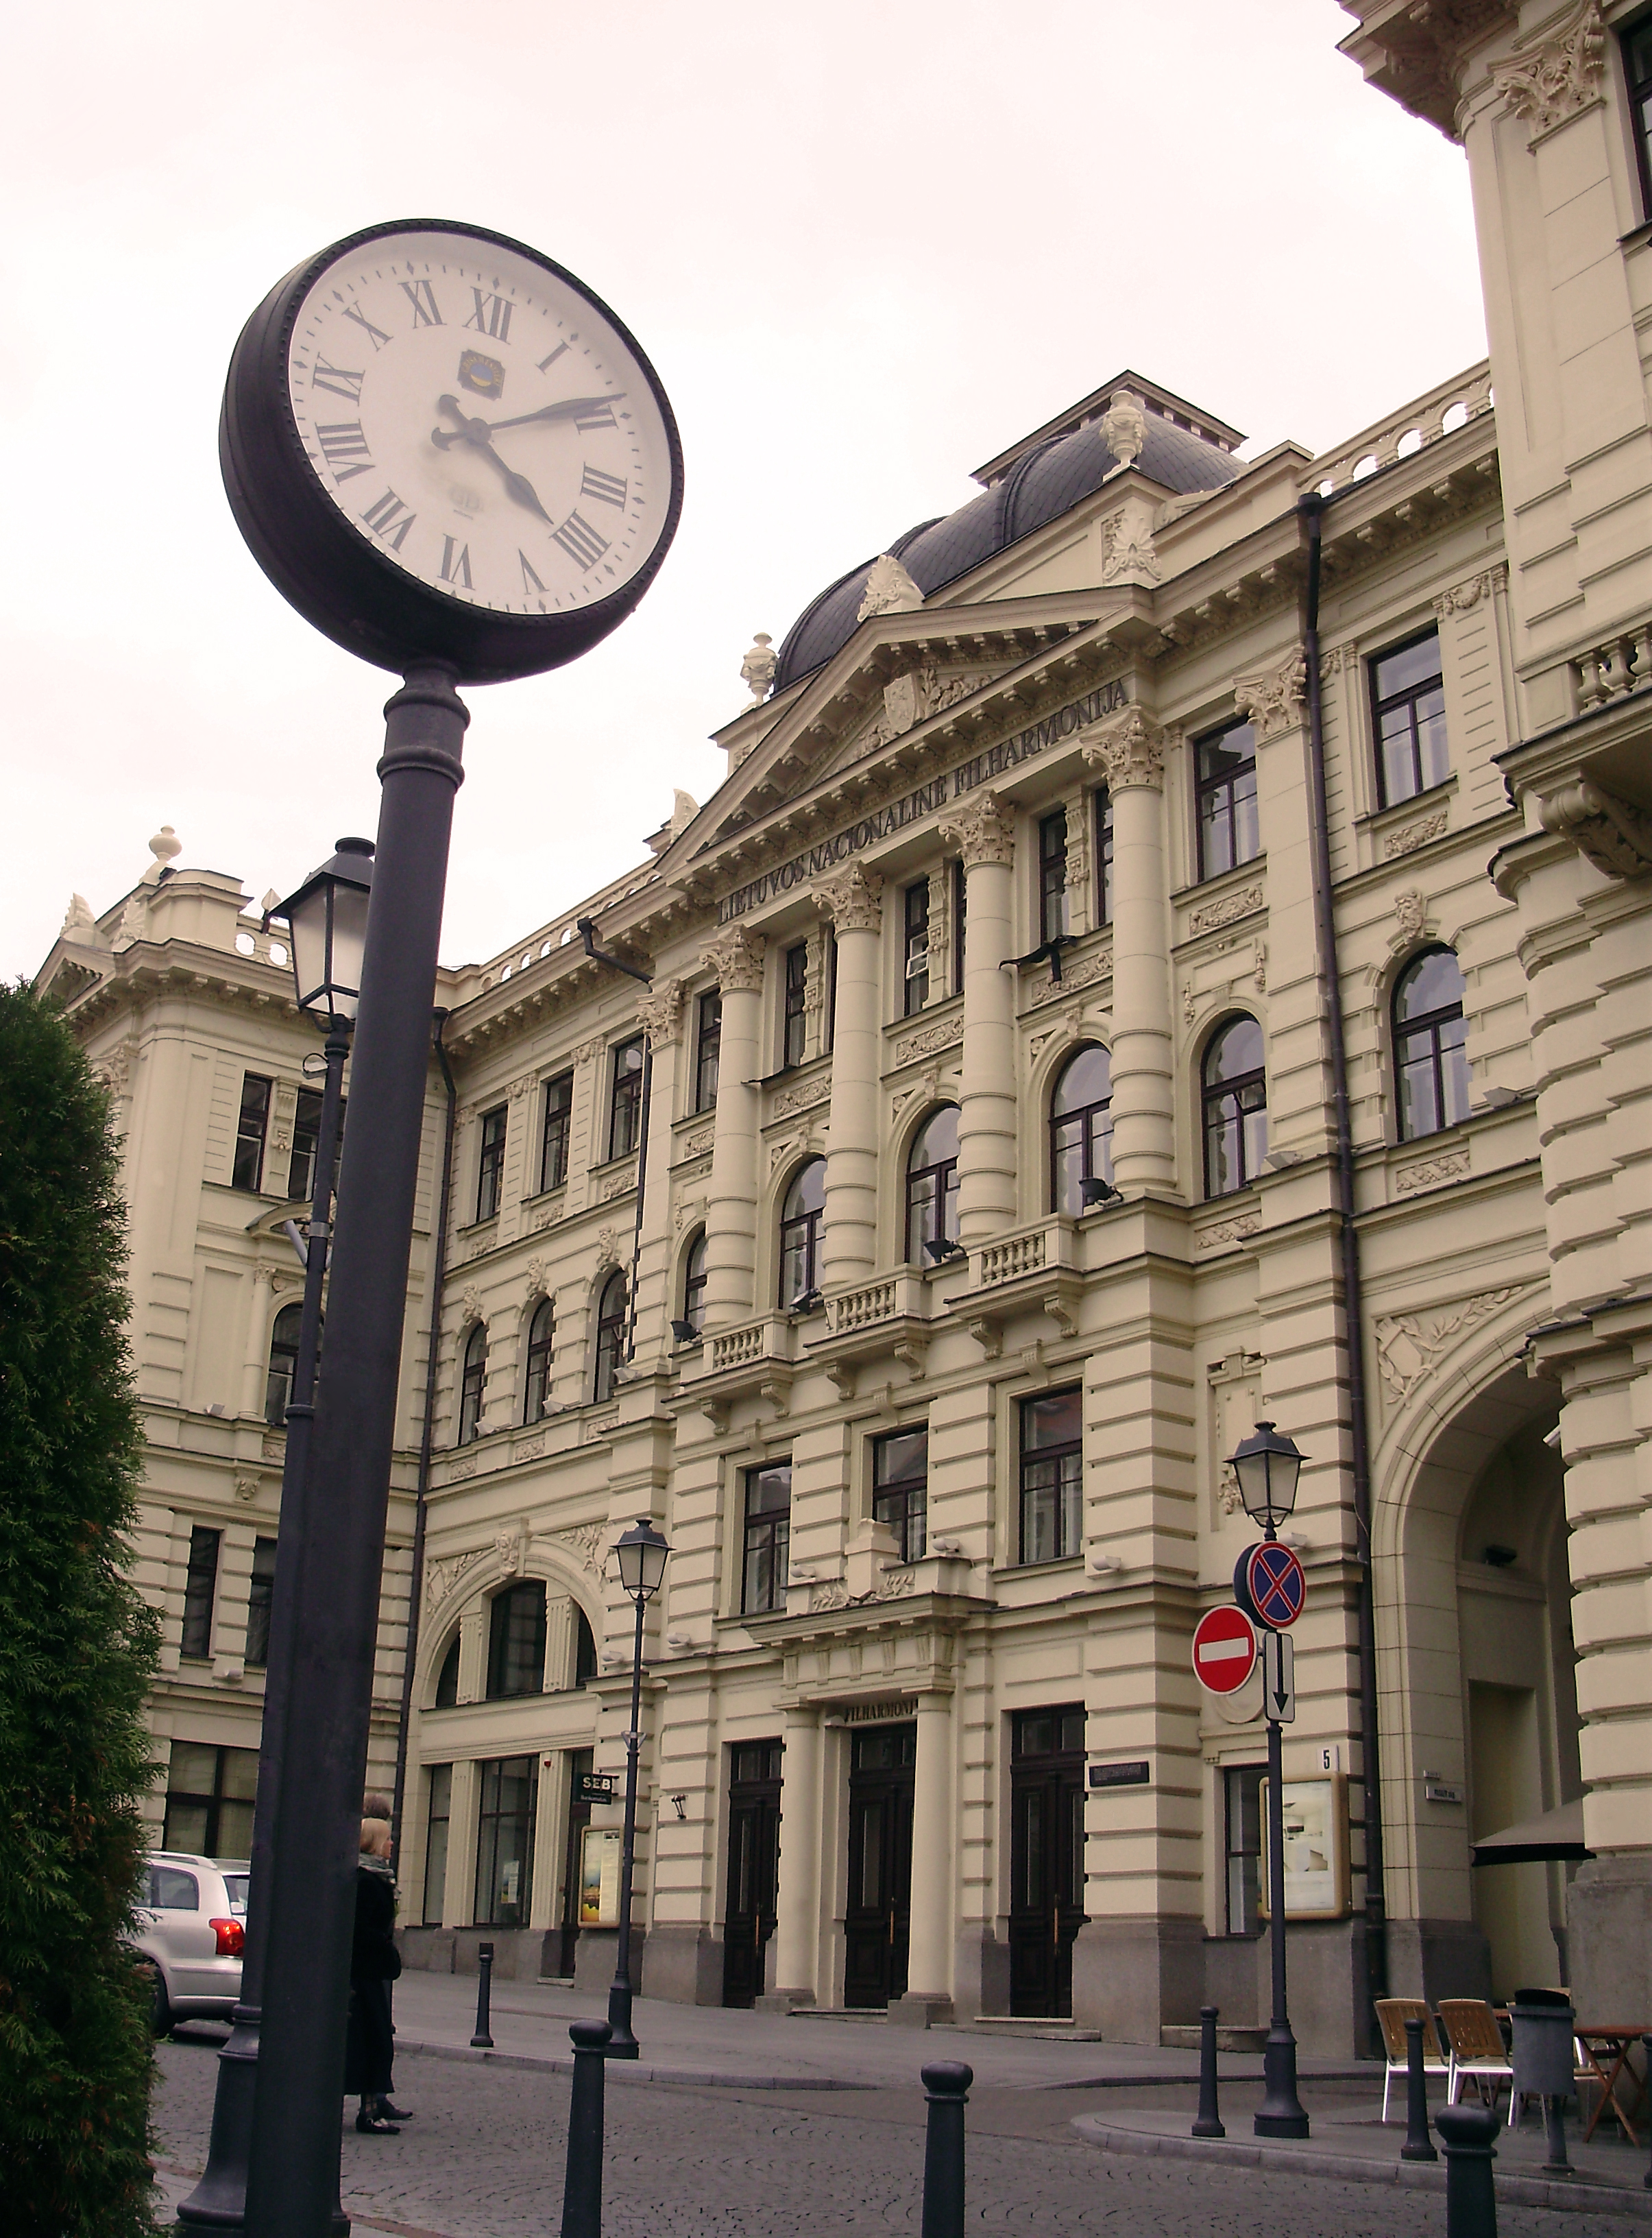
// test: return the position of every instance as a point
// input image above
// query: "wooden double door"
(754, 1867)
(876, 1921)
(1046, 1858)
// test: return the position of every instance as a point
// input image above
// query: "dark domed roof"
(1047, 481)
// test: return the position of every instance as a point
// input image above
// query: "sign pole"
(1281, 2113)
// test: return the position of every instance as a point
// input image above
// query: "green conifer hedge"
(77, 1647)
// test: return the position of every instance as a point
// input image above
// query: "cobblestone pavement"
(484, 2159)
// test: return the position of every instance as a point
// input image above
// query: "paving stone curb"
(627, 2070)
(1526, 2190)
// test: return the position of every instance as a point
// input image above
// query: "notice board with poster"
(1316, 1848)
(599, 1877)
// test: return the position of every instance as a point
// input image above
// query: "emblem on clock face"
(438, 443)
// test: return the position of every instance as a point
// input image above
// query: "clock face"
(480, 422)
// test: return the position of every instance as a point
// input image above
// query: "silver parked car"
(191, 1928)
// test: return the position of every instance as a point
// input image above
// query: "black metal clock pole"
(293, 2182)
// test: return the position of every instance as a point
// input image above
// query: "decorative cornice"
(736, 958)
(985, 831)
(1612, 834)
(1272, 698)
(1130, 749)
(1554, 74)
(852, 900)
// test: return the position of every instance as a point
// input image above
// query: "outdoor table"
(1616, 2044)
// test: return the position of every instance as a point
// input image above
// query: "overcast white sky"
(868, 243)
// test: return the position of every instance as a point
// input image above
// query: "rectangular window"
(490, 1163)
(1638, 70)
(625, 1106)
(1408, 719)
(768, 1537)
(900, 1488)
(259, 1593)
(917, 946)
(1243, 1798)
(516, 1640)
(251, 1129)
(795, 1021)
(307, 1129)
(1052, 875)
(708, 1049)
(437, 1821)
(200, 1590)
(210, 1800)
(510, 1794)
(960, 910)
(558, 1121)
(1052, 1477)
(1226, 780)
(1104, 857)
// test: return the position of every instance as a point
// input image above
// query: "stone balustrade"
(1441, 412)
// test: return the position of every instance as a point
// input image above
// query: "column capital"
(660, 1008)
(852, 900)
(1272, 698)
(1130, 750)
(985, 830)
(737, 958)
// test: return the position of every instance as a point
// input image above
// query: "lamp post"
(1267, 1466)
(327, 922)
(641, 1555)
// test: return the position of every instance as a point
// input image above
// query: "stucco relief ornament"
(661, 1010)
(1614, 836)
(78, 921)
(511, 1546)
(535, 1279)
(852, 900)
(607, 1247)
(1130, 557)
(985, 831)
(1411, 913)
(737, 958)
(1124, 428)
(1272, 698)
(889, 590)
(1129, 749)
(1558, 74)
(471, 1303)
(758, 669)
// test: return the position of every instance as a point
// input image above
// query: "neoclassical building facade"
(1170, 951)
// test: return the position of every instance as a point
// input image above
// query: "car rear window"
(172, 1890)
(235, 1889)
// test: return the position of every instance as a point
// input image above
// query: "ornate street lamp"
(641, 1553)
(327, 923)
(1267, 1466)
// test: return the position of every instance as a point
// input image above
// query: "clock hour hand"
(479, 435)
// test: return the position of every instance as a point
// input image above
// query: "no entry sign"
(1269, 1584)
(1224, 1650)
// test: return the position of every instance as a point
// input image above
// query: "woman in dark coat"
(375, 1964)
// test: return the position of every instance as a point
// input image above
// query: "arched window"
(541, 1334)
(1081, 1128)
(283, 1365)
(584, 1648)
(1431, 1063)
(447, 1677)
(473, 1378)
(694, 1286)
(800, 1218)
(611, 1334)
(1236, 1108)
(932, 1182)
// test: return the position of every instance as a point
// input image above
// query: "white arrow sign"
(1280, 1677)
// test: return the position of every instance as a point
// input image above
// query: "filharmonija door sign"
(912, 807)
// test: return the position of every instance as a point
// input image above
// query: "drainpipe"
(1310, 508)
(587, 927)
(426, 1436)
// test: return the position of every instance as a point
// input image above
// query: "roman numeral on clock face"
(492, 316)
(581, 541)
(377, 334)
(600, 415)
(609, 488)
(530, 580)
(421, 295)
(334, 378)
(456, 562)
(389, 517)
(342, 443)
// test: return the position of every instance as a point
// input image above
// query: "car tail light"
(231, 1936)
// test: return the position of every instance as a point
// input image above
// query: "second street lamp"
(327, 922)
(641, 1553)
(1267, 1466)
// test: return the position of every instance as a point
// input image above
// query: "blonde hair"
(375, 1838)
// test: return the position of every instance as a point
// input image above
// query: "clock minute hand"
(569, 409)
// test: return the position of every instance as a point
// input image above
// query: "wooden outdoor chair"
(1479, 2053)
(1392, 2013)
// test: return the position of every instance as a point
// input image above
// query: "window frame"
(794, 1006)
(766, 1542)
(493, 1815)
(1638, 90)
(625, 1096)
(215, 1802)
(556, 1131)
(1406, 698)
(912, 1494)
(537, 1362)
(807, 1250)
(292, 1315)
(201, 1592)
(694, 1283)
(1068, 1495)
(610, 1337)
(436, 1786)
(914, 949)
(1428, 1025)
(1207, 788)
(1053, 911)
(943, 1173)
(708, 1048)
(1088, 1133)
(1236, 1779)
(504, 1638)
(252, 1143)
(491, 1127)
(261, 1593)
(1211, 1093)
(472, 1384)
(1105, 898)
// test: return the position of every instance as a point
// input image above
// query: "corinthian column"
(986, 832)
(849, 1247)
(731, 1196)
(1131, 751)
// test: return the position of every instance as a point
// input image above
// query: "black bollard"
(1418, 2146)
(1646, 2047)
(1555, 2133)
(948, 2085)
(1209, 2123)
(582, 2191)
(1470, 2205)
(482, 2040)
